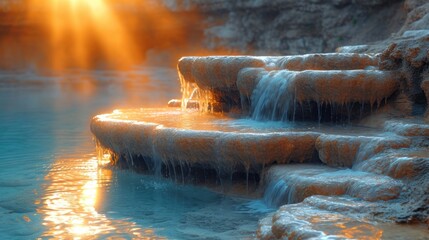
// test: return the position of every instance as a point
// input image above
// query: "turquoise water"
(53, 186)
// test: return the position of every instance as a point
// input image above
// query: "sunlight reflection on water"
(70, 201)
(51, 183)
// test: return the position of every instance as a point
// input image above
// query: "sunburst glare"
(79, 30)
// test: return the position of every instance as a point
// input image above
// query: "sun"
(82, 30)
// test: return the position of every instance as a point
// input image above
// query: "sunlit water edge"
(83, 199)
(51, 184)
(52, 187)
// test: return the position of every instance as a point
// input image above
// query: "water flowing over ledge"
(307, 131)
(291, 87)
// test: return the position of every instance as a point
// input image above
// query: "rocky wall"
(295, 27)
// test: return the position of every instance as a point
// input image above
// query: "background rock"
(296, 27)
(287, 27)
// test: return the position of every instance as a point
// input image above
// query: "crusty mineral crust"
(305, 180)
(341, 87)
(328, 61)
(283, 94)
(345, 151)
(233, 79)
(175, 146)
(216, 72)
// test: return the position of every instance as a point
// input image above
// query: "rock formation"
(386, 167)
(295, 27)
(331, 182)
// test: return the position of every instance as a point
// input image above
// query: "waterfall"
(276, 193)
(195, 97)
(273, 97)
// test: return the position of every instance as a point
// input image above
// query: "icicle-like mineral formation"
(356, 176)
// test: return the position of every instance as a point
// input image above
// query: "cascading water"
(289, 162)
(194, 97)
(273, 98)
(338, 182)
(276, 194)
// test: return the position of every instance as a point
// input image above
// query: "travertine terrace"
(348, 137)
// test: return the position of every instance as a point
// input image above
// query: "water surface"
(53, 186)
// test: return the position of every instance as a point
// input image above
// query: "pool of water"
(193, 119)
(53, 186)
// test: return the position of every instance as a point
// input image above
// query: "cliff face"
(276, 27)
(296, 27)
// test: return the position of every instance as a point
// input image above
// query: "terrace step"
(162, 137)
(279, 87)
(406, 163)
(325, 217)
(305, 221)
(347, 150)
(282, 93)
(221, 71)
(176, 137)
(286, 184)
(328, 61)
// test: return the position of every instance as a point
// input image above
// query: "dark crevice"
(237, 179)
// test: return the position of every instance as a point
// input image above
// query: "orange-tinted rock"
(328, 61)
(215, 77)
(121, 136)
(344, 151)
(405, 163)
(248, 79)
(339, 151)
(410, 57)
(264, 229)
(231, 82)
(246, 82)
(407, 128)
(324, 217)
(283, 94)
(304, 221)
(411, 52)
(184, 68)
(230, 150)
(305, 180)
(216, 72)
(341, 87)
(266, 149)
(135, 134)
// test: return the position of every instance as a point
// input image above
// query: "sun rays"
(81, 32)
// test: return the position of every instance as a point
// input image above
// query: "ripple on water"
(82, 198)
(69, 206)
